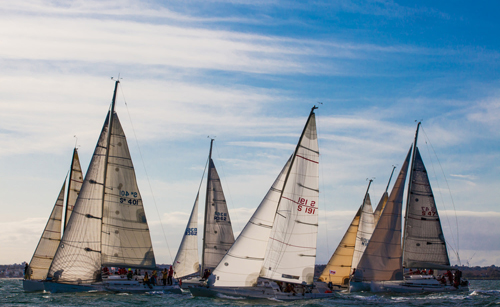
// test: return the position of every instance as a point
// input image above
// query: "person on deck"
(170, 275)
(130, 274)
(146, 280)
(154, 277)
(27, 273)
(164, 276)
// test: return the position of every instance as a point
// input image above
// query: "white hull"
(258, 292)
(357, 286)
(32, 285)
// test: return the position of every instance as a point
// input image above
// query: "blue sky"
(248, 73)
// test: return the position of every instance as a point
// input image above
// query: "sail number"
(428, 212)
(191, 231)
(309, 209)
(220, 216)
(129, 201)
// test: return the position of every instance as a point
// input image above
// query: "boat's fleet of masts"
(274, 256)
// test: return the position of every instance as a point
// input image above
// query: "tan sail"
(74, 185)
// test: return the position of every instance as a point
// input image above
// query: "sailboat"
(108, 226)
(346, 257)
(381, 268)
(218, 234)
(351, 247)
(51, 235)
(278, 244)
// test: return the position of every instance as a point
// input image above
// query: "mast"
(387, 187)
(206, 210)
(108, 141)
(366, 194)
(293, 157)
(69, 189)
(409, 187)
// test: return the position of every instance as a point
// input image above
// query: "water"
(482, 293)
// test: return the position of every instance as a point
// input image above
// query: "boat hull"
(54, 287)
(401, 286)
(32, 285)
(357, 286)
(115, 286)
(254, 293)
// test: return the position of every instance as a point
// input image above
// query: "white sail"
(78, 257)
(424, 243)
(382, 257)
(47, 246)
(242, 264)
(74, 185)
(126, 241)
(186, 261)
(365, 230)
(291, 250)
(218, 236)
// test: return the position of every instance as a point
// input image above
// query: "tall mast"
(108, 141)
(409, 186)
(293, 157)
(206, 210)
(69, 189)
(388, 183)
(366, 194)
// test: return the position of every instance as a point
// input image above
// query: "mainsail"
(424, 243)
(74, 185)
(365, 230)
(291, 249)
(382, 257)
(242, 264)
(47, 246)
(186, 261)
(218, 233)
(107, 226)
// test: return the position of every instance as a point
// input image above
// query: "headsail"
(382, 257)
(291, 250)
(126, 241)
(186, 261)
(338, 269)
(242, 264)
(74, 185)
(218, 234)
(425, 246)
(47, 246)
(78, 257)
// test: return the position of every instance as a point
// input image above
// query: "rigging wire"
(147, 176)
(451, 196)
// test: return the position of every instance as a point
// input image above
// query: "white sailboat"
(424, 247)
(278, 244)
(108, 226)
(51, 235)
(218, 234)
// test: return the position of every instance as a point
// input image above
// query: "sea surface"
(482, 293)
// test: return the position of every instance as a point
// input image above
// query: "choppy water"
(482, 293)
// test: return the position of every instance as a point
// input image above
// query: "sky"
(247, 73)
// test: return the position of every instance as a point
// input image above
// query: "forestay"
(291, 250)
(242, 264)
(218, 236)
(424, 246)
(126, 241)
(186, 261)
(47, 246)
(382, 257)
